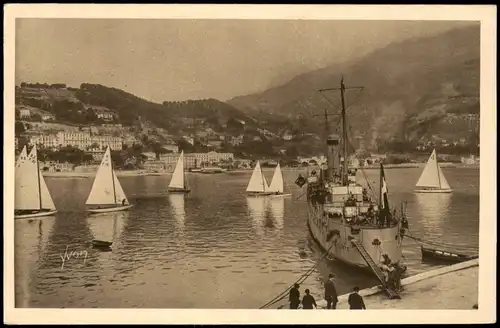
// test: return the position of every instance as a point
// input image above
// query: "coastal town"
(68, 146)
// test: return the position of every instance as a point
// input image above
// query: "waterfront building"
(155, 165)
(197, 160)
(53, 166)
(80, 140)
(45, 140)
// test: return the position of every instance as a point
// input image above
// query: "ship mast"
(343, 117)
(344, 133)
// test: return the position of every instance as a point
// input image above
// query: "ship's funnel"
(333, 156)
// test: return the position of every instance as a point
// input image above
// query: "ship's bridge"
(347, 202)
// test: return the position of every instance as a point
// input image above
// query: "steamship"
(342, 218)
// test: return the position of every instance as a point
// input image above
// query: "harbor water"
(214, 248)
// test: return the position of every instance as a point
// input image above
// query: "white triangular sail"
(442, 179)
(430, 175)
(106, 189)
(277, 184)
(31, 191)
(47, 202)
(26, 197)
(257, 181)
(119, 193)
(177, 181)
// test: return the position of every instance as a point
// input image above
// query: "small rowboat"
(431, 254)
(101, 243)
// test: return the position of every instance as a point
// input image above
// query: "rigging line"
(300, 280)
(360, 89)
(416, 239)
(374, 194)
(335, 106)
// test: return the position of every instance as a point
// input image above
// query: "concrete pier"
(452, 287)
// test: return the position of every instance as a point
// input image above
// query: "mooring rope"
(422, 241)
(299, 281)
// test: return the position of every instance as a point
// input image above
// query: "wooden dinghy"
(441, 255)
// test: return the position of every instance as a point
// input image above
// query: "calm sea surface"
(212, 249)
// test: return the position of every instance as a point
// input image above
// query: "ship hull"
(433, 191)
(36, 215)
(343, 249)
(110, 209)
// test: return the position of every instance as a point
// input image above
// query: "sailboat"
(277, 184)
(432, 179)
(178, 183)
(32, 197)
(107, 194)
(257, 186)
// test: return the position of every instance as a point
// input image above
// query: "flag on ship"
(300, 181)
(384, 199)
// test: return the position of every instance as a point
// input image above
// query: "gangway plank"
(393, 294)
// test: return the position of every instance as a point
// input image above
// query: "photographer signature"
(73, 254)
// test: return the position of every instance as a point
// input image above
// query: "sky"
(179, 59)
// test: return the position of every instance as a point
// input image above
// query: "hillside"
(71, 105)
(209, 123)
(413, 89)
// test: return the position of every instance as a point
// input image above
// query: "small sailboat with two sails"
(107, 194)
(32, 197)
(178, 183)
(432, 179)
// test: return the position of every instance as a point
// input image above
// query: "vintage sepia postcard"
(199, 164)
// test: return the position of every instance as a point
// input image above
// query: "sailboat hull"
(259, 194)
(179, 191)
(433, 191)
(35, 215)
(109, 209)
(280, 195)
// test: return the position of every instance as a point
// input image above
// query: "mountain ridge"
(403, 81)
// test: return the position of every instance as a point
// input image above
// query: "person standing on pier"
(355, 300)
(308, 301)
(331, 293)
(294, 297)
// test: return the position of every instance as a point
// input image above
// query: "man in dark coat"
(294, 297)
(330, 293)
(355, 300)
(308, 301)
